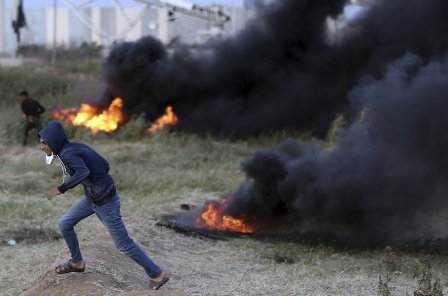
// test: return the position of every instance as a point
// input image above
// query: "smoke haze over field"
(385, 177)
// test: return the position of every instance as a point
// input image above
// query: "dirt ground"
(204, 266)
(100, 277)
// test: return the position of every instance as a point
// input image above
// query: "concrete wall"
(184, 28)
(62, 32)
(78, 31)
(161, 24)
(128, 24)
(109, 25)
(239, 17)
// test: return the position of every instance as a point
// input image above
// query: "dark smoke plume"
(280, 72)
(384, 180)
(264, 79)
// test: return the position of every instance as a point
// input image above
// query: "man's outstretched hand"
(52, 193)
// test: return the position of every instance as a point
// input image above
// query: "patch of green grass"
(87, 66)
(40, 82)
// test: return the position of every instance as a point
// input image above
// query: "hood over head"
(55, 136)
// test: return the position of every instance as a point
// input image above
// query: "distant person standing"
(32, 110)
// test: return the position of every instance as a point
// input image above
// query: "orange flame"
(212, 217)
(87, 115)
(169, 118)
(65, 115)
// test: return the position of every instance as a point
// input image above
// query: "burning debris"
(383, 182)
(214, 217)
(169, 118)
(107, 120)
(93, 117)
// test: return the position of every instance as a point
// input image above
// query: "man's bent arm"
(81, 171)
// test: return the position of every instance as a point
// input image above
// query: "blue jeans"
(109, 215)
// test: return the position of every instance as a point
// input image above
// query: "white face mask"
(49, 158)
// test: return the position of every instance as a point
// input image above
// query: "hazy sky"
(49, 3)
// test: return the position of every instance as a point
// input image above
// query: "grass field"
(155, 173)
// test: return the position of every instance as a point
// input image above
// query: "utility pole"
(55, 19)
(2, 22)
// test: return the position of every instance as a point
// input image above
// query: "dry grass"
(199, 266)
(154, 175)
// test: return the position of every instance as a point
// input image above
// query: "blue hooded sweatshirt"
(83, 164)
